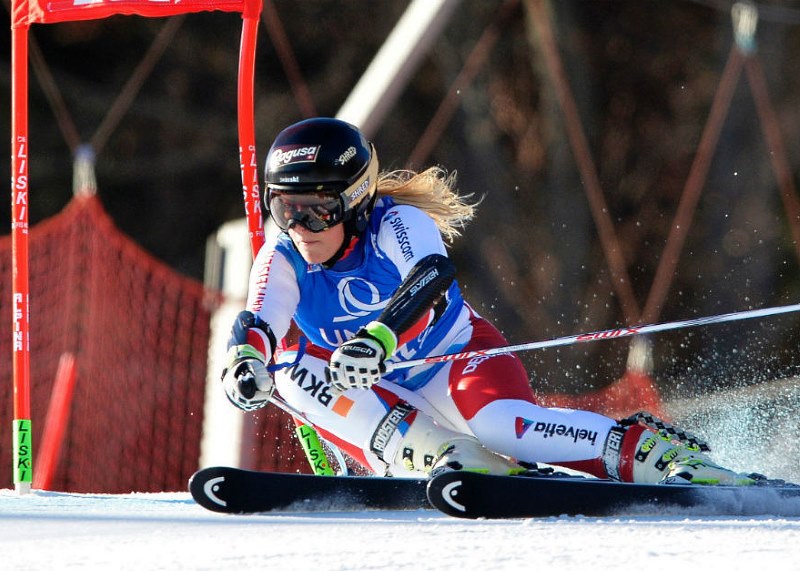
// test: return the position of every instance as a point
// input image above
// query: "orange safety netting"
(139, 333)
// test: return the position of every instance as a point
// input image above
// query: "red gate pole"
(55, 424)
(20, 306)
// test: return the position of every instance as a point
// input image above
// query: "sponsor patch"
(400, 234)
(388, 426)
(261, 283)
(316, 387)
(291, 154)
(473, 364)
(361, 189)
(426, 279)
(346, 156)
(549, 429)
(611, 452)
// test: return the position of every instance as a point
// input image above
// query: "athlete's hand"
(357, 363)
(246, 381)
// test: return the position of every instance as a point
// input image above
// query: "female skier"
(361, 266)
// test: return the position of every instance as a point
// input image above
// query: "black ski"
(231, 490)
(471, 495)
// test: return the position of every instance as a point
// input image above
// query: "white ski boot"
(430, 448)
(468, 454)
(650, 457)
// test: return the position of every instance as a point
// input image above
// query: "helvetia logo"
(549, 430)
(521, 426)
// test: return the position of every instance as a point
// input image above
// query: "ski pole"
(311, 441)
(598, 335)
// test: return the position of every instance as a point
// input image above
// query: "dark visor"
(315, 211)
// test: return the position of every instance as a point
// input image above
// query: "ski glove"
(357, 363)
(247, 382)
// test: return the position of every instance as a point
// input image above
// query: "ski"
(472, 495)
(236, 491)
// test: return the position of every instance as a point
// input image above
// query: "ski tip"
(207, 487)
(446, 493)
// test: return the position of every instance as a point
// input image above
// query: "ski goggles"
(314, 211)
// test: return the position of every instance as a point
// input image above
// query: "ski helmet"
(321, 172)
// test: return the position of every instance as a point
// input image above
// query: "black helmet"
(320, 172)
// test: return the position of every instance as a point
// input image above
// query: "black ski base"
(232, 490)
(471, 495)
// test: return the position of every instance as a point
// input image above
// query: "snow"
(53, 531)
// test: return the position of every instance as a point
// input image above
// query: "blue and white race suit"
(488, 397)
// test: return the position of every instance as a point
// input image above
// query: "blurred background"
(637, 162)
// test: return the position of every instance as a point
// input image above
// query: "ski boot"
(468, 454)
(644, 455)
(430, 448)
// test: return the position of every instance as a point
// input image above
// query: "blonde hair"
(433, 191)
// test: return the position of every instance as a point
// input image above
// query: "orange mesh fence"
(139, 332)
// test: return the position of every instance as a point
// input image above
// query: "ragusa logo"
(358, 301)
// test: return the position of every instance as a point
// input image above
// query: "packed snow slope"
(53, 531)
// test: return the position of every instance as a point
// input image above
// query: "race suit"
(488, 397)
